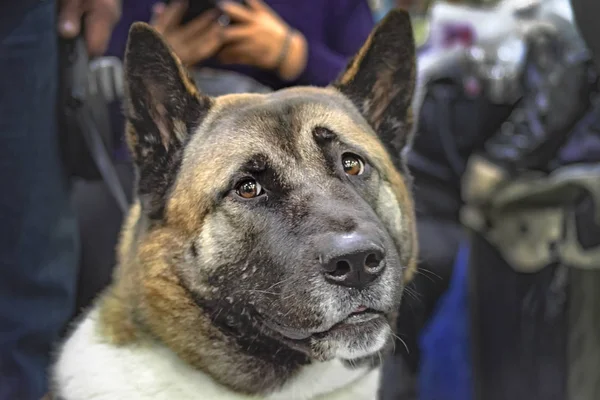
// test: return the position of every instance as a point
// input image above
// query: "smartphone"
(195, 8)
(198, 7)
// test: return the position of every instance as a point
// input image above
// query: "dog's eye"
(249, 189)
(353, 164)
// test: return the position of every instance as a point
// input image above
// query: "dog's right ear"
(380, 81)
(163, 108)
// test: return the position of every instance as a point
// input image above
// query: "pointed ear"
(163, 108)
(380, 80)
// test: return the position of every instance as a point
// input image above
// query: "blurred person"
(322, 36)
(38, 234)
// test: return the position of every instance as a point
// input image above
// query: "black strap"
(101, 157)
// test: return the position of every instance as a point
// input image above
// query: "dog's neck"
(146, 370)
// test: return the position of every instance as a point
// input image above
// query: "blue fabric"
(583, 145)
(445, 344)
(334, 30)
(38, 239)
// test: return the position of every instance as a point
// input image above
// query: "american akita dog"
(267, 250)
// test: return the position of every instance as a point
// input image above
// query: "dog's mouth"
(361, 316)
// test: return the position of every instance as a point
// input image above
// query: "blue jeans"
(38, 233)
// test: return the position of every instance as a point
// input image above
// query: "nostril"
(373, 262)
(342, 267)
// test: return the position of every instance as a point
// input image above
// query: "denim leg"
(38, 234)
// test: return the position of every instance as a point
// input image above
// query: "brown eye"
(353, 164)
(249, 189)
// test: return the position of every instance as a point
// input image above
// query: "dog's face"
(282, 219)
(300, 234)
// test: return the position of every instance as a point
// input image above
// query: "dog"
(271, 237)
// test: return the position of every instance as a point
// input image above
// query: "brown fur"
(156, 289)
(353, 67)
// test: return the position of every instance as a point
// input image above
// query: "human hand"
(193, 42)
(99, 17)
(258, 39)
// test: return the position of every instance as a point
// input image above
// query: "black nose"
(352, 260)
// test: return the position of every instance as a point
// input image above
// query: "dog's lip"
(360, 315)
(289, 333)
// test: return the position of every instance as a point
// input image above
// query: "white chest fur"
(89, 369)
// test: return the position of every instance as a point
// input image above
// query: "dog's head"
(279, 224)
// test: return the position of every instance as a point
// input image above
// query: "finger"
(158, 9)
(69, 18)
(199, 24)
(210, 43)
(99, 23)
(234, 54)
(236, 33)
(236, 11)
(258, 5)
(171, 15)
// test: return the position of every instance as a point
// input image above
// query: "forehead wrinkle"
(208, 166)
(351, 128)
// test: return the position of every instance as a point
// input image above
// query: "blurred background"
(505, 165)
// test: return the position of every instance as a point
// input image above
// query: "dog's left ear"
(380, 80)
(163, 108)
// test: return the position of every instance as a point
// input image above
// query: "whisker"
(256, 291)
(268, 290)
(402, 341)
(413, 294)
(214, 317)
(281, 282)
(422, 271)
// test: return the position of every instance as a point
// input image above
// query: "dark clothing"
(12, 16)
(38, 241)
(586, 17)
(334, 30)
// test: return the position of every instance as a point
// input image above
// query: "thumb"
(69, 18)
(98, 27)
